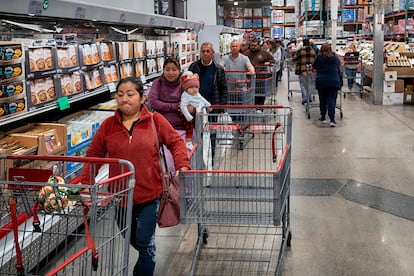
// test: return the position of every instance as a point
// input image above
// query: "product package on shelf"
(139, 49)
(41, 91)
(111, 73)
(12, 86)
(140, 68)
(41, 74)
(152, 67)
(71, 84)
(67, 57)
(93, 78)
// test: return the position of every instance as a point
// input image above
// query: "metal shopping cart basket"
(265, 83)
(241, 206)
(293, 79)
(240, 87)
(48, 227)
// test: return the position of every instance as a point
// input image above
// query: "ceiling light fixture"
(236, 3)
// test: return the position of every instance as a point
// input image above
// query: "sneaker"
(332, 124)
(323, 121)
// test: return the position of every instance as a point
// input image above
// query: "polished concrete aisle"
(352, 198)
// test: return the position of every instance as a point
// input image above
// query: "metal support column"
(378, 72)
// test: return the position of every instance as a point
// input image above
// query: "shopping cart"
(241, 206)
(265, 83)
(48, 227)
(358, 81)
(240, 87)
(293, 79)
(313, 101)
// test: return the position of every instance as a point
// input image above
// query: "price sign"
(63, 103)
(122, 18)
(80, 13)
(35, 7)
(111, 87)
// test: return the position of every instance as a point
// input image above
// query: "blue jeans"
(350, 75)
(304, 87)
(327, 101)
(144, 221)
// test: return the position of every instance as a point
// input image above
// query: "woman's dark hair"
(173, 61)
(134, 80)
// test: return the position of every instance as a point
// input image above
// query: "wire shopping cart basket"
(240, 87)
(265, 83)
(241, 206)
(51, 227)
(293, 79)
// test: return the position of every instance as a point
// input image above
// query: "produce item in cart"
(55, 198)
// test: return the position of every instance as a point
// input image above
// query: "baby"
(191, 96)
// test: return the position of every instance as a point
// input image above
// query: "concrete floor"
(352, 195)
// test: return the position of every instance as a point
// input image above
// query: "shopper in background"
(165, 96)
(351, 63)
(258, 56)
(129, 135)
(328, 73)
(235, 61)
(213, 85)
(277, 55)
(244, 47)
(266, 45)
(304, 59)
(261, 60)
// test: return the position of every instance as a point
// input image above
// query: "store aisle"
(352, 203)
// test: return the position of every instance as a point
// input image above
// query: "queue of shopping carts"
(242, 205)
(308, 82)
(51, 227)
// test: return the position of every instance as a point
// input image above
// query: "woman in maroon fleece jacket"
(129, 135)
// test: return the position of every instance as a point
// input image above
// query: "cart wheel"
(289, 239)
(342, 115)
(205, 237)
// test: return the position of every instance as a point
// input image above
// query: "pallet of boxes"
(399, 79)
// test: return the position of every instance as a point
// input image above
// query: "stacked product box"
(42, 139)
(12, 86)
(81, 128)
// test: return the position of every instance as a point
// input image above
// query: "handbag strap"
(161, 155)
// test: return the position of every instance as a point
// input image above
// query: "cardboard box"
(397, 98)
(16, 145)
(52, 138)
(389, 86)
(386, 98)
(390, 75)
(399, 86)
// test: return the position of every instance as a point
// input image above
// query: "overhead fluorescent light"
(236, 3)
